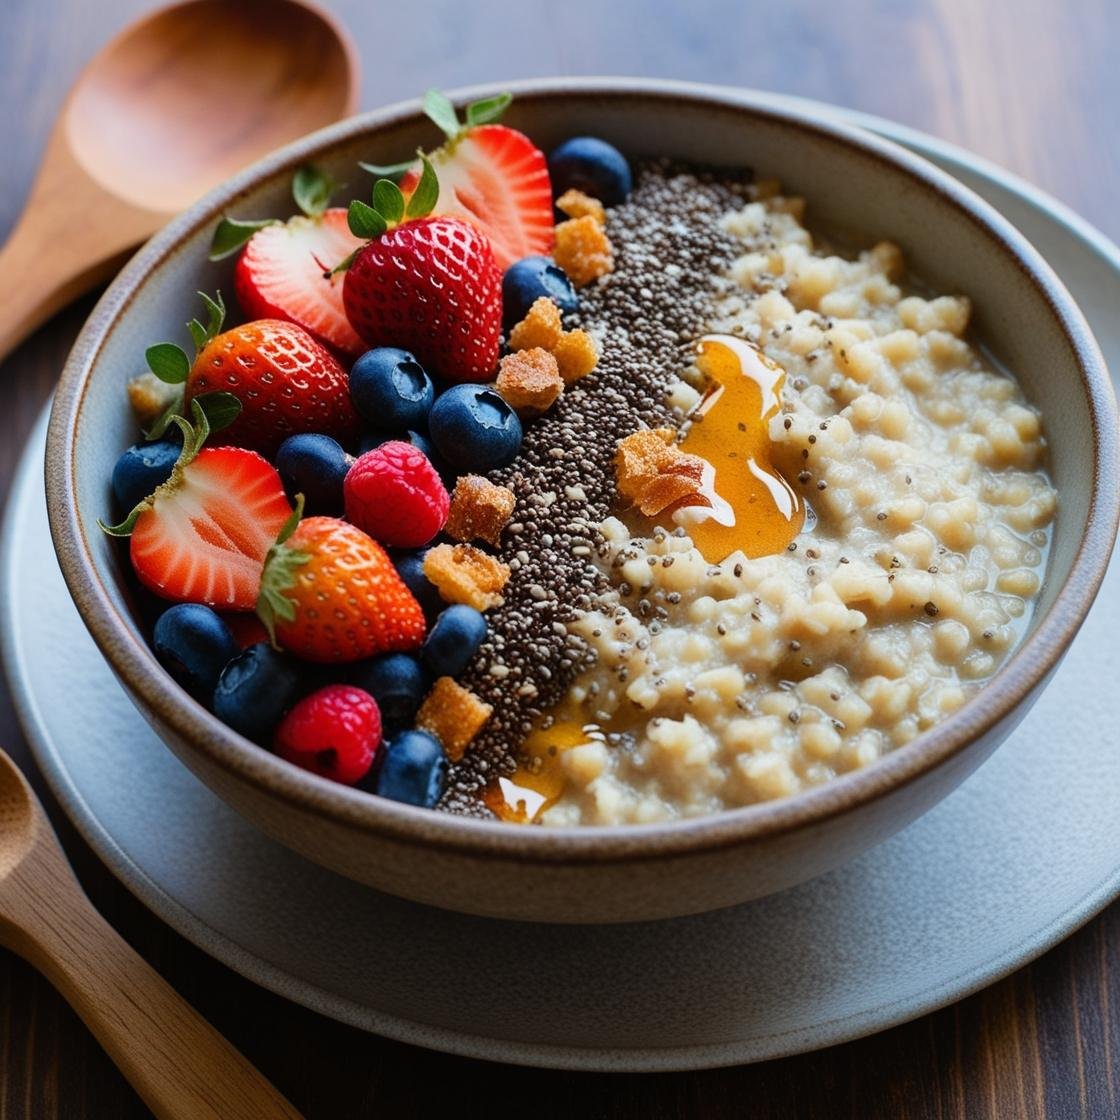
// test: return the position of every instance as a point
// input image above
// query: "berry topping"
(390, 389)
(413, 770)
(395, 495)
(255, 690)
(454, 640)
(142, 468)
(314, 466)
(334, 733)
(590, 165)
(330, 594)
(397, 681)
(194, 645)
(202, 536)
(410, 567)
(474, 429)
(528, 280)
(246, 628)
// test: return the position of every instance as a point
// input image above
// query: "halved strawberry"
(284, 270)
(203, 536)
(492, 176)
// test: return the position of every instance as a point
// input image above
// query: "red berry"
(334, 733)
(395, 495)
(246, 628)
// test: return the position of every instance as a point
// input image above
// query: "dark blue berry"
(194, 645)
(390, 389)
(454, 640)
(314, 466)
(255, 691)
(593, 166)
(530, 278)
(413, 769)
(474, 429)
(410, 567)
(142, 468)
(397, 681)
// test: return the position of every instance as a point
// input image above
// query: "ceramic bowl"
(951, 238)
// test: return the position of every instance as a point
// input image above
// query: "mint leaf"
(387, 170)
(426, 195)
(220, 409)
(312, 190)
(439, 110)
(388, 200)
(487, 110)
(168, 362)
(232, 233)
(364, 221)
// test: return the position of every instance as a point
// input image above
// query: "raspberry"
(334, 733)
(395, 495)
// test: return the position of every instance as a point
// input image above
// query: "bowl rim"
(191, 724)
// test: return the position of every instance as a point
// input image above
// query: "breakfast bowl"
(864, 188)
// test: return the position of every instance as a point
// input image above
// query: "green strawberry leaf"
(439, 110)
(387, 170)
(426, 195)
(388, 201)
(364, 221)
(312, 190)
(175, 408)
(220, 409)
(216, 316)
(488, 110)
(232, 233)
(279, 574)
(168, 362)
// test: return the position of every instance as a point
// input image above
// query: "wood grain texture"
(1028, 83)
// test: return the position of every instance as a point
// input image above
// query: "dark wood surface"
(1031, 84)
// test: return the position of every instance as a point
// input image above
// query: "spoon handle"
(182, 1068)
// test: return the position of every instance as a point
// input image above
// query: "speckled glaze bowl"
(852, 180)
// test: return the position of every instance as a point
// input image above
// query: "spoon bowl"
(17, 817)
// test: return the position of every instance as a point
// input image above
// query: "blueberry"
(194, 645)
(410, 567)
(474, 429)
(142, 468)
(593, 166)
(454, 640)
(413, 769)
(397, 681)
(314, 466)
(390, 389)
(255, 690)
(530, 278)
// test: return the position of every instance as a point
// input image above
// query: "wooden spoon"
(176, 103)
(181, 1067)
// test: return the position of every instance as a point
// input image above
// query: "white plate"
(1018, 857)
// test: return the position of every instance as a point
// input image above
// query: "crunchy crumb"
(540, 327)
(582, 250)
(576, 355)
(150, 398)
(576, 204)
(654, 474)
(454, 715)
(479, 510)
(529, 381)
(465, 574)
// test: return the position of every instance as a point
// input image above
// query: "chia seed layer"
(669, 257)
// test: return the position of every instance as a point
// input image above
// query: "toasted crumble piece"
(576, 355)
(576, 204)
(454, 715)
(582, 250)
(465, 574)
(150, 398)
(654, 474)
(638, 459)
(540, 327)
(479, 510)
(529, 381)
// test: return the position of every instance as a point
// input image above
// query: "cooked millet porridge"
(719, 685)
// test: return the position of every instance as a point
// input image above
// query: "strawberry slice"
(280, 275)
(491, 176)
(203, 536)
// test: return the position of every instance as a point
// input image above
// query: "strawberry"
(202, 537)
(428, 285)
(492, 176)
(280, 272)
(329, 593)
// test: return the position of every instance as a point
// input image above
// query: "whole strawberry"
(425, 284)
(329, 593)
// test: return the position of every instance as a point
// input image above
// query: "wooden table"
(1031, 84)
